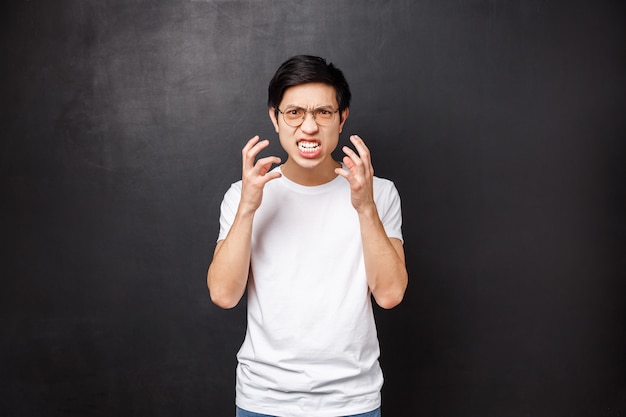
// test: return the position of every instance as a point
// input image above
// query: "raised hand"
(255, 175)
(359, 173)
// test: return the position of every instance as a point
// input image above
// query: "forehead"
(310, 95)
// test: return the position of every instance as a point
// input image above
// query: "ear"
(272, 112)
(344, 116)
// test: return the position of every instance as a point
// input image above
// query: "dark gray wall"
(501, 122)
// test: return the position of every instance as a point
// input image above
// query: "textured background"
(501, 123)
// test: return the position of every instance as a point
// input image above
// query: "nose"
(309, 124)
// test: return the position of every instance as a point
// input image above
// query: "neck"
(317, 175)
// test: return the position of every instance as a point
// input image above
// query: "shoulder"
(385, 192)
(233, 193)
(235, 186)
(384, 185)
(383, 182)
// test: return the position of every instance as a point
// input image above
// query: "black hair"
(302, 69)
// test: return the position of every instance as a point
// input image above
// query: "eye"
(294, 112)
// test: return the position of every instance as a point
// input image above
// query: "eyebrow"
(324, 106)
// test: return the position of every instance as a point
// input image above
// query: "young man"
(312, 240)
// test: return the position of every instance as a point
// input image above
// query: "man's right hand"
(255, 175)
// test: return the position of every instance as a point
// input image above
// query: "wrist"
(245, 211)
(368, 210)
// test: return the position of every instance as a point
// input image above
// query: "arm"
(385, 265)
(227, 276)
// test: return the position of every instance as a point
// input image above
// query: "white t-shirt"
(311, 347)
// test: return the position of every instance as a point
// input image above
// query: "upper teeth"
(308, 146)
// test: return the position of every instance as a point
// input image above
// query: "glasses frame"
(305, 113)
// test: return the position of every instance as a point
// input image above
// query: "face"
(309, 146)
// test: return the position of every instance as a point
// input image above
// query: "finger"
(351, 155)
(346, 174)
(355, 163)
(347, 161)
(360, 146)
(245, 151)
(250, 144)
(364, 154)
(263, 165)
(271, 176)
(362, 149)
(252, 149)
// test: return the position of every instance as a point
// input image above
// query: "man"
(312, 240)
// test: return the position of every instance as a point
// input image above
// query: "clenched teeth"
(308, 146)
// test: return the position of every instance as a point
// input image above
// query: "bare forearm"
(384, 261)
(227, 276)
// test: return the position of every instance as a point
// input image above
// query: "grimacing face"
(309, 146)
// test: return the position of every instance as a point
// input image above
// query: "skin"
(385, 266)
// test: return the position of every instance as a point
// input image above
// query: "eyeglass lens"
(295, 116)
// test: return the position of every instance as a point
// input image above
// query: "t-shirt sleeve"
(228, 209)
(389, 208)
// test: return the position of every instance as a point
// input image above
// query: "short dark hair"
(302, 69)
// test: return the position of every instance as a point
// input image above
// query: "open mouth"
(308, 147)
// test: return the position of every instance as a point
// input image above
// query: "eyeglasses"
(294, 116)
